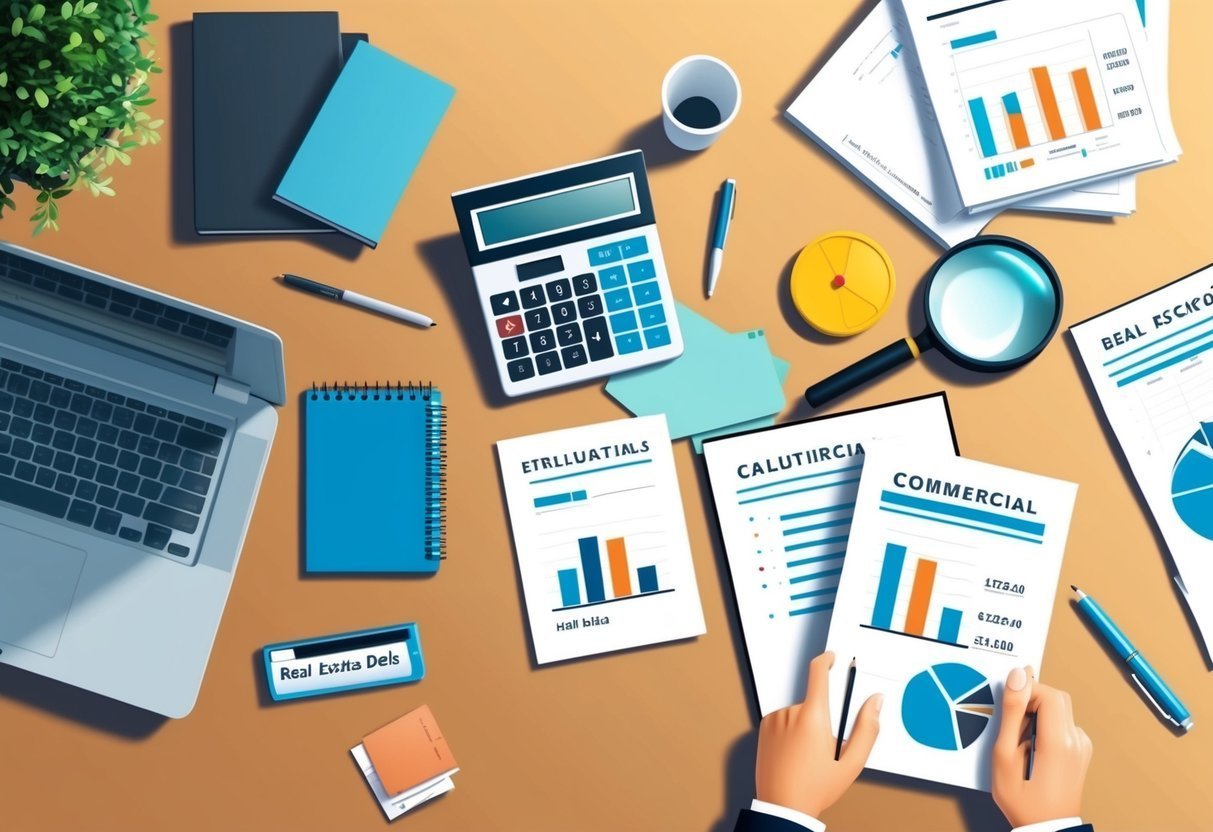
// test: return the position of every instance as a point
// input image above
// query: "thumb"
(863, 733)
(1015, 697)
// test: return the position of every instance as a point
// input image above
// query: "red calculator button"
(509, 327)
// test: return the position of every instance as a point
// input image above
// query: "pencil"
(846, 708)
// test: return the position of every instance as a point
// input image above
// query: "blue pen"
(724, 216)
(1144, 675)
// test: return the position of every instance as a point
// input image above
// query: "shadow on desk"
(78, 705)
(650, 137)
(181, 185)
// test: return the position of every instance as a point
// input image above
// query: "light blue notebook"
(360, 152)
(720, 379)
(374, 478)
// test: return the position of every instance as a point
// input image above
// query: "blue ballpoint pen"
(1144, 675)
(724, 216)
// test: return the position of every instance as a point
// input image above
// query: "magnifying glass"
(992, 304)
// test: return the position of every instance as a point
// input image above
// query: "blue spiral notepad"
(374, 473)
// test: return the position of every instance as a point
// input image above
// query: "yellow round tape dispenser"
(842, 283)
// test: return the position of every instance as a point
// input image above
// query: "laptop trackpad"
(38, 579)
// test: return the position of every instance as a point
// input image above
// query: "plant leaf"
(41, 97)
(36, 11)
(66, 11)
(18, 25)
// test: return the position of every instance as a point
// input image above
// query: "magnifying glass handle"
(862, 371)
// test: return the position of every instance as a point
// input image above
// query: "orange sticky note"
(409, 751)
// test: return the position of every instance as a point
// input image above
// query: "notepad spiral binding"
(435, 453)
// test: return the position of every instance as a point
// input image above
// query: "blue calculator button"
(568, 335)
(634, 247)
(521, 370)
(589, 306)
(505, 303)
(573, 356)
(612, 278)
(652, 315)
(623, 321)
(548, 362)
(658, 336)
(541, 341)
(583, 284)
(642, 270)
(628, 343)
(647, 293)
(604, 254)
(597, 339)
(532, 296)
(514, 347)
(619, 299)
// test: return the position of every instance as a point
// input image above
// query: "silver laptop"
(134, 431)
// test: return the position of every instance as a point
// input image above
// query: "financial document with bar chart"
(600, 538)
(949, 583)
(784, 497)
(1150, 362)
(1033, 96)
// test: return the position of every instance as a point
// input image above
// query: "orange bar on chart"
(621, 580)
(1019, 130)
(920, 597)
(1048, 102)
(1086, 99)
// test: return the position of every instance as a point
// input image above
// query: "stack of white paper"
(1011, 104)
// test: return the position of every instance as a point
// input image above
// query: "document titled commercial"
(1151, 364)
(784, 497)
(949, 583)
(600, 538)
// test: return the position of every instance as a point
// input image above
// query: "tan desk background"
(661, 738)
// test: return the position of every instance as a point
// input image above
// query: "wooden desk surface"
(661, 738)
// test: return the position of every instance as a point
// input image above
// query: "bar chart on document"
(785, 498)
(600, 537)
(1033, 95)
(949, 582)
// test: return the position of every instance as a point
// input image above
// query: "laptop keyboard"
(104, 461)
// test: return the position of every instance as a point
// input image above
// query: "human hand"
(796, 766)
(1063, 753)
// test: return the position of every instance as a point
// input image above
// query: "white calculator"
(569, 270)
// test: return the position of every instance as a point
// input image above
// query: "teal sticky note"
(721, 379)
(781, 369)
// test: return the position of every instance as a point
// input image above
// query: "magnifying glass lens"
(992, 303)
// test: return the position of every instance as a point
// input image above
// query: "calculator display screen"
(562, 210)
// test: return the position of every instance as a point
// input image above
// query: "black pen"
(846, 708)
(389, 309)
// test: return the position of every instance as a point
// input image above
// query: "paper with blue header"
(948, 584)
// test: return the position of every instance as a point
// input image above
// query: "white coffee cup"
(705, 77)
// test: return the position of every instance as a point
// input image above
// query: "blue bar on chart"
(886, 590)
(646, 578)
(949, 625)
(591, 568)
(981, 124)
(973, 40)
(559, 499)
(570, 593)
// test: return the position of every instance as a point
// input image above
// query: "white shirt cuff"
(807, 821)
(1050, 825)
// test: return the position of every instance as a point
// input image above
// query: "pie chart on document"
(1192, 482)
(842, 283)
(947, 706)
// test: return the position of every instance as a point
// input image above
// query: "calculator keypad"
(565, 322)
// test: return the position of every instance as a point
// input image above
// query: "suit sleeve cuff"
(1058, 825)
(807, 821)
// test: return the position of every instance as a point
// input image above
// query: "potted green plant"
(73, 88)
